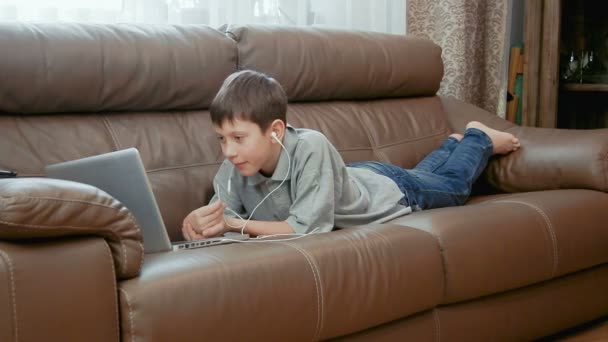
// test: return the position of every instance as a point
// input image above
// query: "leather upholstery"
(123, 67)
(522, 315)
(507, 266)
(180, 149)
(58, 290)
(51, 208)
(338, 64)
(581, 161)
(515, 240)
(307, 289)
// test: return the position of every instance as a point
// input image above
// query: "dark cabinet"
(566, 64)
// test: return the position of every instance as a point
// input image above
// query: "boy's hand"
(205, 222)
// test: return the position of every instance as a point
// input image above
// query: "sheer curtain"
(372, 15)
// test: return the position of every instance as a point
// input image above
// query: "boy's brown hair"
(249, 95)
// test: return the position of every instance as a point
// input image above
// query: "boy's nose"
(229, 151)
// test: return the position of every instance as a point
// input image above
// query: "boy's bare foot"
(457, 136)
(502, 142)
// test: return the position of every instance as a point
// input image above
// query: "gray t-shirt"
(320, 190)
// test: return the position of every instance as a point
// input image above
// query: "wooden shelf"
(595, 87)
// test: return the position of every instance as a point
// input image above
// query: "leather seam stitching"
(181, 167)
(108, 125)
(141, 246)
(606, 172)
(443, 262)
(237, 64)
(373, 232)
(107, 249)
(437, 325)
(58, 199)
(550, 228)
(372, 142)
(129, 217)
(32, 226)
(131, 325)
(7, 260)
(442, 133)
(354, 149)
(315, 273)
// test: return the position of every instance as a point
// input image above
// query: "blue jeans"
(444, 177)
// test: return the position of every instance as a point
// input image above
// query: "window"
(370, 15)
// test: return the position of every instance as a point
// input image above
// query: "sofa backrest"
(371, 94)
(73, 90)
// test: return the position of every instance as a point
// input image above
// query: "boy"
(262, 152)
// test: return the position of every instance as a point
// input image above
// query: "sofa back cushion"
(399, 131)
(55, 68)
(180, 149)
(155, 97)
(315, 64)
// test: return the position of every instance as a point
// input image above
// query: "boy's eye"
(221, 139)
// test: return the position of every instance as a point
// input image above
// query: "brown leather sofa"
(525, 258)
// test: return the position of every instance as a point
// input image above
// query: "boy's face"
(248, 148)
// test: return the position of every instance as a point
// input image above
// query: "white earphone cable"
(263, 238)
(265, 197)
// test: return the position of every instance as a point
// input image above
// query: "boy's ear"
(276, 129)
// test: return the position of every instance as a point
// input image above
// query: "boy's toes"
(457, 136)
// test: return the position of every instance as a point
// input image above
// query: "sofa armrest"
(548, 158)
(41, 208)
(58, 290)
(553, 159)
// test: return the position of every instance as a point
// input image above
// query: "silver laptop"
(122, 175)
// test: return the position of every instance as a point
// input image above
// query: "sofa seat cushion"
(509, 241)
(311, 288)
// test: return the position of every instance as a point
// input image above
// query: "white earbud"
(245, 221)
(274, 135)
